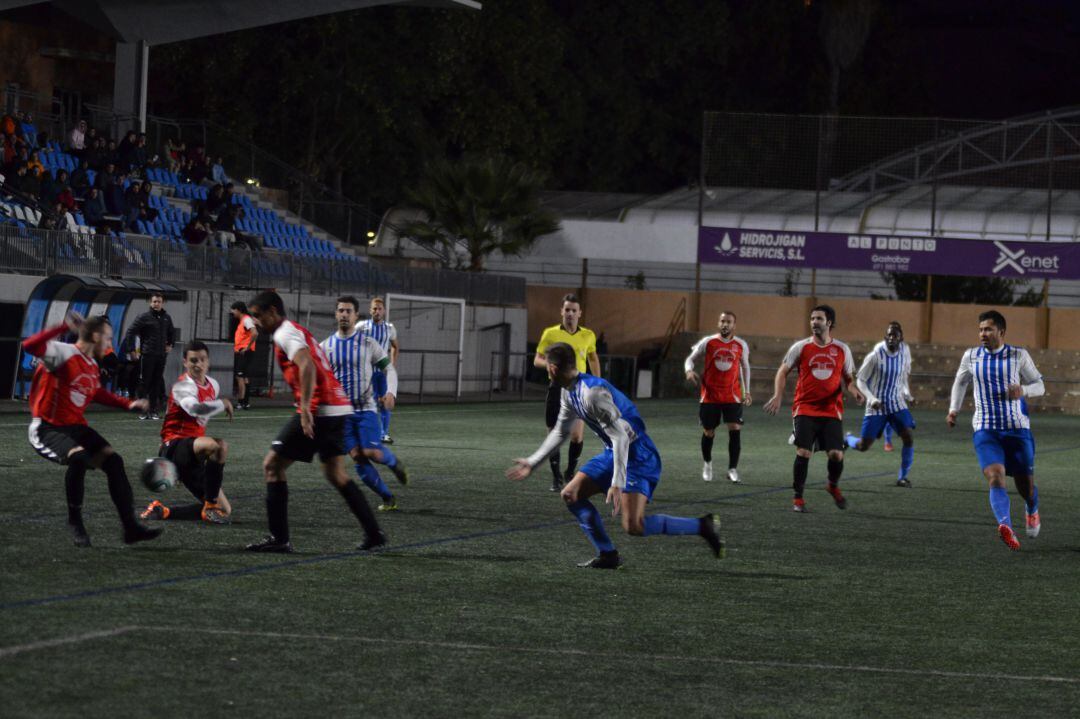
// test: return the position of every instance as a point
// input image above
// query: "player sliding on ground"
(199, 460)
(356, 357)
(1004, 375)
(825, 367)
(66, 381)
(317, 427)
(628, 469)
(883, 379)
(725, 389)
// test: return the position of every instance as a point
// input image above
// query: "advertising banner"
(889, 253)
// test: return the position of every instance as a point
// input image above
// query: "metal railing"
(44, 252)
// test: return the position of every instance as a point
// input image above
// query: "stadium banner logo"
(888, 253)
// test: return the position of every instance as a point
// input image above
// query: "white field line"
(61, 641)
(471, 647)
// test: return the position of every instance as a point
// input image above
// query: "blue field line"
(60, 598)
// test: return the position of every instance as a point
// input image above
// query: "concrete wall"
(633, 319)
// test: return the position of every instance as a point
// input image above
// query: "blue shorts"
(378, 383)
(1014, 448)
(364, 430)
(642, 468)
(874, 424)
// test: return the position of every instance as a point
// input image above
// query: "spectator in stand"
(63, 191)
(184, 171)
(230, 194)
(80, 179)
(22, 182)
(198, 228)
(77, 139)
(215, 201)
(217, 172)
(47, 188)
(133, 204)
(115, 203)
(141, 156)
(125, 152)
(197, 153)
(8, 125)
(97, 154)
(34, 165)
(91, 138)
(8, 153)
(112, 157)
(200, 170)
(93, 210)
(104, 178)
(54, 218)
(169, 155)
(226, 226)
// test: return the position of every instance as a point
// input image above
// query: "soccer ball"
(158, 474)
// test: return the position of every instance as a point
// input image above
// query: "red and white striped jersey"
(726, 374)
(65, 381)
(191, 405)
(328, 398)
(822, 369)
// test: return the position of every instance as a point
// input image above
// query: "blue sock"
(851, 440)
(999, 502)
(907, 458)
(1033, 505)
(384, 417)
(888, 433)
(388, 457)
(370, 477)
(667, 524)
(591, 523)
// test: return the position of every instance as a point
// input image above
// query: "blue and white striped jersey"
(993, 371)
(606, 411)
(382, 332)
(883, 377)
(353, 360)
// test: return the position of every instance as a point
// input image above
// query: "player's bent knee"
(836, 455)
(800, 452)
(710, 433)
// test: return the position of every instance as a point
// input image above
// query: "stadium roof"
(164, 21)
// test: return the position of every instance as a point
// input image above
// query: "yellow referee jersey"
(583, 341)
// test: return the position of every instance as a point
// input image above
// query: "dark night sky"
(992, 59)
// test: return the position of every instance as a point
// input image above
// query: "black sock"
(215, 472)
(277, 510)
(186, 511)
(572, 460)
(734, 447)
(802, 466)
(706, 447)
(75, 486)
(120, 490)
(359, 506)
(554, 459)
(836, 468)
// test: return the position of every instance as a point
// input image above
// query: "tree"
(963, 290)
(481, 205)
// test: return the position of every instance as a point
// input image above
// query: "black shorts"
(552, 404)
(242, 363)
(55, 442)
(819, 433)
(329, 440)
(190, 469)
(712, 414)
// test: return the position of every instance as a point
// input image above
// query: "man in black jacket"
(157, 335)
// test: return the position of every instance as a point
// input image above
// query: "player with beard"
(725, 390)
(824, 366)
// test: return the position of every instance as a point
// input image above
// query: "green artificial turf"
(905, 604)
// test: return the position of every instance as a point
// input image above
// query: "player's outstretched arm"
(773, 405)
(959, 389)
(555, 437)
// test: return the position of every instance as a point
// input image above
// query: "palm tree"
(481, 204)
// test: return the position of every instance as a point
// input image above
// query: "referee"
(156, 334)
(584, 343)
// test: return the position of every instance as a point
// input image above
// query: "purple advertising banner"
(889, 253)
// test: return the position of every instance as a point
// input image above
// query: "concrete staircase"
(933, 369)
